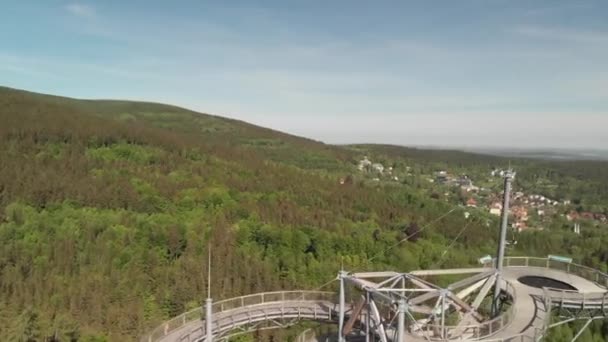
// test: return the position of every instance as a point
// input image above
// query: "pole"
(209, 303)
(401, 320)
(209, 272)
(209, 319)
(367, 318)
(341, 276)
(443, 295)
(502, 239)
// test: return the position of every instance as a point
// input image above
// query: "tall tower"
(509, 176)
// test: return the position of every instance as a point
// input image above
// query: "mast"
(509, 175)
(209, 303)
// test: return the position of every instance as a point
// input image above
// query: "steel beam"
(209, 319)
(502, 240)
(423, 298)
(449, 271)
(580, 332)
(402, 308)
(470, 280)
(483, 292)
(342, 276)
(354, 315)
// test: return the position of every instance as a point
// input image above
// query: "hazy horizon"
(501, 74)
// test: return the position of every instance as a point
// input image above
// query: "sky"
(468, 73)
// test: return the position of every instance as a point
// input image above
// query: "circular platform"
(540, 282)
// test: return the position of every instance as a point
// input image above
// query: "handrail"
(562, 296)
(588, 273)
(228, 304)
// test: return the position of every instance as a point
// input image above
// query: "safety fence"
(287, 298)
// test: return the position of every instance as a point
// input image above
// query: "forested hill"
(210, 129)
(107, 209)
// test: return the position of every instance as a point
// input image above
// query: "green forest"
(108, 210)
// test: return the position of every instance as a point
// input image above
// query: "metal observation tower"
(504, 299)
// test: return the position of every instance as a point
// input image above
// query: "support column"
(209, 302)
(401, 320)
(209, 319)
(502, 240)
(443, 309)
(342, 308)
(367, 316)
(580, 332)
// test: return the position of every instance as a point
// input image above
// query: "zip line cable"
(318, 288)
(445, 251)
(414, 233)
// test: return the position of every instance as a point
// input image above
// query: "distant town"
(527, 210)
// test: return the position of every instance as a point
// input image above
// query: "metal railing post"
(341, 276)
(401, 320)
(443, 296)
(367, 317)
(209, 319)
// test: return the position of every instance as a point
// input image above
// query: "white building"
(364, 164)
(378, 167)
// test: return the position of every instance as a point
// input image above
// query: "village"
(528, 210)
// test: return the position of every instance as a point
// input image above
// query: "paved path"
(530, 311)
(232, 319)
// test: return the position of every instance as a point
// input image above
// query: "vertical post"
(367, 317)
(209, 319)
(341, 276)
(502, 239)
(401, 320)
(443, 295)
(209, 302)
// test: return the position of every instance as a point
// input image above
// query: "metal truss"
(568, 306)
(393, 304)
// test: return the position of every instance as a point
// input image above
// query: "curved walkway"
(532, 310)
(242, 314)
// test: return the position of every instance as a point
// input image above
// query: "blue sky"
(449, 73)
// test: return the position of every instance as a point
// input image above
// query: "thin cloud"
(556, 9)
(563, 34)
(80, 10)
